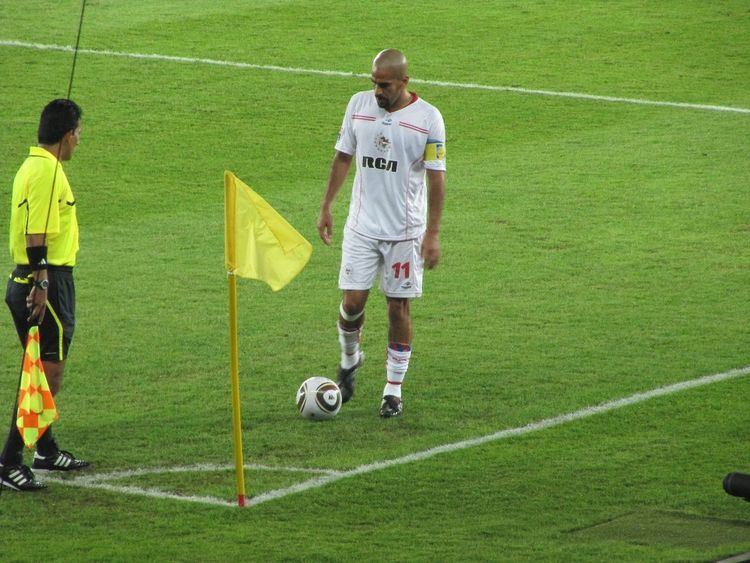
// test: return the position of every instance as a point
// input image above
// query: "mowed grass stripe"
(299, 70)
(95, 482)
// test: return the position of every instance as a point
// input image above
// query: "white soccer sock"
(349, 340)
(396, 365)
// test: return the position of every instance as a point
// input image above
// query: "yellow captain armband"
(434, 150)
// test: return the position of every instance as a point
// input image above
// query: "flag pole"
(258, 244)
(230, 257)
(234, 369)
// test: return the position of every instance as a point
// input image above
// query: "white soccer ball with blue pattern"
(318, 398)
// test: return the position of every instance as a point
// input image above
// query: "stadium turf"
(592, 250)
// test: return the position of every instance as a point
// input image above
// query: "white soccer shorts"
(399, 264)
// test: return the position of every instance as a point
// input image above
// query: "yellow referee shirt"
(31, 206)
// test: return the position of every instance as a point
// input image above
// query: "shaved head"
(389, 78)
(393, 61)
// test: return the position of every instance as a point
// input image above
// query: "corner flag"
(36, 407)
(259, 243)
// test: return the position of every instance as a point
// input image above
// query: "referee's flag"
(259, 243)
(36, 407)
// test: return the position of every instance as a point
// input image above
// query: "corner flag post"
(231, 250)
(259, 244)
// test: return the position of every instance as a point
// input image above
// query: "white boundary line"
(298, 70)
(739, 558)
(94, 481)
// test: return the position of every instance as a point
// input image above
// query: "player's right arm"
(339, 170)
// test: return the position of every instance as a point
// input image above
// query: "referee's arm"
(37, 299)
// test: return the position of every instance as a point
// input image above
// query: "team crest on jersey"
(382, 143)
(387, 121)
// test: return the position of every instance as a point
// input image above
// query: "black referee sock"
(13, 450)
(46, 446)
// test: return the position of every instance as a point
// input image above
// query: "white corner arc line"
(333, 476)
(139, 491)
(299, 70)
(196, 468)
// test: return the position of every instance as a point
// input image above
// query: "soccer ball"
(318, 398)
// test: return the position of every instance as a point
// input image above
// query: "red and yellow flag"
(36, 407)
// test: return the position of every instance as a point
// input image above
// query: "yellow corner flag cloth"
(258, 242)
(36, 407)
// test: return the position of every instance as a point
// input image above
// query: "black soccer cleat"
(391, 406)
(19, 478)
(347, 379)
(61, 461)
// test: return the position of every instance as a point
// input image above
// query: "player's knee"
(351, 312)
(398, 309)
(353, 304)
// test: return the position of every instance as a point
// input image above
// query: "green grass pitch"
(591, 250)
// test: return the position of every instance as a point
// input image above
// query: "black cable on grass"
(70, 89)
(49, 206)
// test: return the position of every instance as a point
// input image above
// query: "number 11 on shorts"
(399, 268)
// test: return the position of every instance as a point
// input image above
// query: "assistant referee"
(40, 291)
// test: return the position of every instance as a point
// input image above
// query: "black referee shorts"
(56, 330)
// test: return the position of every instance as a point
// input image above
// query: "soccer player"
(392, 231)
(40, 291)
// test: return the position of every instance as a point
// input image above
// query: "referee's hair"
(58, 117)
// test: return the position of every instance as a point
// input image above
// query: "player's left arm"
(435, 199)
(434, 163)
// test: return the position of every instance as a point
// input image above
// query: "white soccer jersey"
(392, 151)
